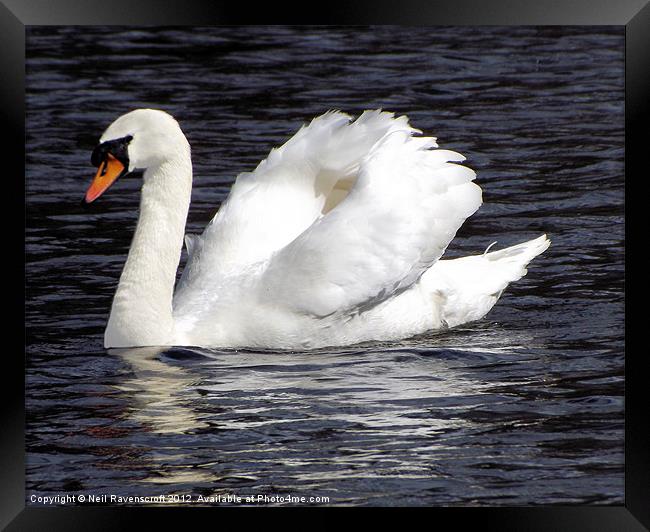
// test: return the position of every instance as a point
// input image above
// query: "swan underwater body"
(334, 239)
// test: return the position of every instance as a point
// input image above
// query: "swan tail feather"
(469, 287)
(512, 261)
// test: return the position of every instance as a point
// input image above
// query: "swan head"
(137, 140)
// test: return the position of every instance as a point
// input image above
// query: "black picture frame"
(16, 14)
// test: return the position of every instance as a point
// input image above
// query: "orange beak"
(107, 173)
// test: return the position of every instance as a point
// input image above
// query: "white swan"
(334, 239)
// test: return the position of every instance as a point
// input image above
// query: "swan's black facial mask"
(112, 159)
(118, 148)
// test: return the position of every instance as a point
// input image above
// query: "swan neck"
(141, 314)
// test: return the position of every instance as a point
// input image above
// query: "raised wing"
(269, 207)
(397, 220)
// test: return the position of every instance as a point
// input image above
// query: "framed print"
(368, 261)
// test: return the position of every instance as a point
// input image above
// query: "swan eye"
(118, 148)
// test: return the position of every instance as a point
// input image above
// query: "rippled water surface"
(522, 407)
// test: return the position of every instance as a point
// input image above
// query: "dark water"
(523, 407)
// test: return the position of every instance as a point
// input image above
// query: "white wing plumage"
(342, 217)
(400, 215)
(290, 189)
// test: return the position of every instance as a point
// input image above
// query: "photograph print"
(324, 265)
